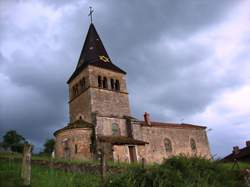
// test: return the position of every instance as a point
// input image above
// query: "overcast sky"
(186, 61)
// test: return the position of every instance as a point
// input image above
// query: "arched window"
(82, 83)
(117, 85)
(168, 145)
(115, 129)
(104, 83)
(99, 81)
(193, 144)
(112, 84)
(76, 89)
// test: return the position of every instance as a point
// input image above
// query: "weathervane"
(90, 13)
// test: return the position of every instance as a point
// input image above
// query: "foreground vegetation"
(175, 172)
(180, 172)
(44, 177)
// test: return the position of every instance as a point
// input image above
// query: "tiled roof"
(172, 125)
(94, 53)
(121, 140)
(77, 124)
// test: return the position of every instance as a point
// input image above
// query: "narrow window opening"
(82, 83)
(117, 85)
(76, 149)
(115, 129)
(112, 84)
(168, 145)
(76, 88)
(193, 144)
(105, 83)
(99, 81)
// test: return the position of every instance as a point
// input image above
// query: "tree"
(13, 141)
(49, 146)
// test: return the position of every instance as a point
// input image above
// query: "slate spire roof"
(94, 53)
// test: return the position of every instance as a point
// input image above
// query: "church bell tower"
(97, 85)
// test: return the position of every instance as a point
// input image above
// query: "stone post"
(103, 166)
(93, 136)
(143, 163)
(26, 165)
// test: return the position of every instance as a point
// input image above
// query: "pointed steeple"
(94, 53)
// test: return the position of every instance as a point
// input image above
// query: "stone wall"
(80, 105)
(78, 142)
(104, 101)
(104, 125)
(121, 153)
(180, 138)
(94, 72)
(107, 102)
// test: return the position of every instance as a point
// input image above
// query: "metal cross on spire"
(90, 13)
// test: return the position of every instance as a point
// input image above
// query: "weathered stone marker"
(103, 160)
(143, 163)
(26, 164)
(103, 166)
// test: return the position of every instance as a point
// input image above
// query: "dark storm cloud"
(39, 59)
(132, 33)
(129, 26)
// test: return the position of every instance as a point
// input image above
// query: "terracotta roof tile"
(77, 124)
(172, 125)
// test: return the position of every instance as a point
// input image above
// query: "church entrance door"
(132, 153)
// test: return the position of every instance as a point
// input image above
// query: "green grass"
(242, 165)
(44, 177)
(178, 171)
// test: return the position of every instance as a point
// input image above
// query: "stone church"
(100, 117)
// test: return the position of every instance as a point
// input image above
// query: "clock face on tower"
(104, 58)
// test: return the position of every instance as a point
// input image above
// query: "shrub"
(179, 171)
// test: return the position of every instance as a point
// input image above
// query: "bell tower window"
(82, 83)
(99, 81)
(112, 84)
(104, 83)
(75, 90)
(117, 85)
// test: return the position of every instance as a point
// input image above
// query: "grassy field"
(175, 172)
(43, 177)
(227, 165)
